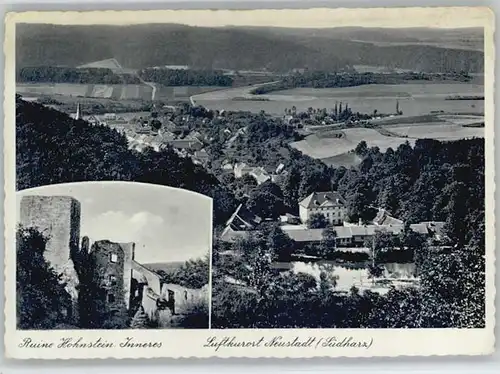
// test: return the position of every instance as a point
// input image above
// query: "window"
(113, 257)
(185, 295)
(111, 298)
(112, 280)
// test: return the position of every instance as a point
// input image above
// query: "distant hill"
(167, 267)
(464, 38)
(141, 46)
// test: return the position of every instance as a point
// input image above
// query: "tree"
(361, 149)
(290, 187)
(388, 198)
(257, 257)
(140, 320)
(453, 289)
(420, 257)
(456, 212)
(327, 280)
(248, 180)
(278, 242)
(265, 204)
(317, 221)
(328, 243)
(42, 301)
(191, 274)
(375, 270)
(358, 208)
(156, 124)
(196, 317)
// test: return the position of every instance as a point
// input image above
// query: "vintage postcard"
(249, 183)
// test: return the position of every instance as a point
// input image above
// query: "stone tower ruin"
(111, 265)
(58, 219)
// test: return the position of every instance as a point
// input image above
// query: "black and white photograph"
(112, 255)
(255, 173)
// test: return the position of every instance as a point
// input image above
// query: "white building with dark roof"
(330, 204)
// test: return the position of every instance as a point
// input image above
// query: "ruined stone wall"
(152, 278)
(129, 254)
(183, 298)
(149, 303)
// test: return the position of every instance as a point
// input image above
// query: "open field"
(111, 91)
(324, 146)
(345, 159)
(104, 91)
(336, 151)
(182, 93)
(444, 131)
(414, 98)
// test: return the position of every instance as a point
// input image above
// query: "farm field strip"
(118, 91)
(438, 131)
(337, 150)
(321, 147)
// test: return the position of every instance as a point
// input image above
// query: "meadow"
(337, 151)
(116, 92)
(441, 131)
(324, 146)
(414, 98)
(182, 93)
(103, 91)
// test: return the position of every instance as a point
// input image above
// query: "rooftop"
(303, 234)
(384, 218)
(323, 199)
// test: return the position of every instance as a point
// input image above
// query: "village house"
(290, 219)
(330, 204)
(201, 157)
(260, 175)
(257, 172)
(384, 218)
(241, 169)
(186, 144)
(238, 225)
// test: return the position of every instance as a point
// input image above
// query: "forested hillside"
(52, 74)
(322, 79)
(173, 77)
(232, 48)
(53, 148)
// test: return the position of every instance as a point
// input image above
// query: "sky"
(167, 224)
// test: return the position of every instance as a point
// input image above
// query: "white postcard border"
(314, 342)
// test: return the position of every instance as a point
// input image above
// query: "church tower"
(77, 115)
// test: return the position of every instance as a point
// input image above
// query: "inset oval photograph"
(112, 255)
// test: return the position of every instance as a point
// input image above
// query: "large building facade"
(329, 204)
